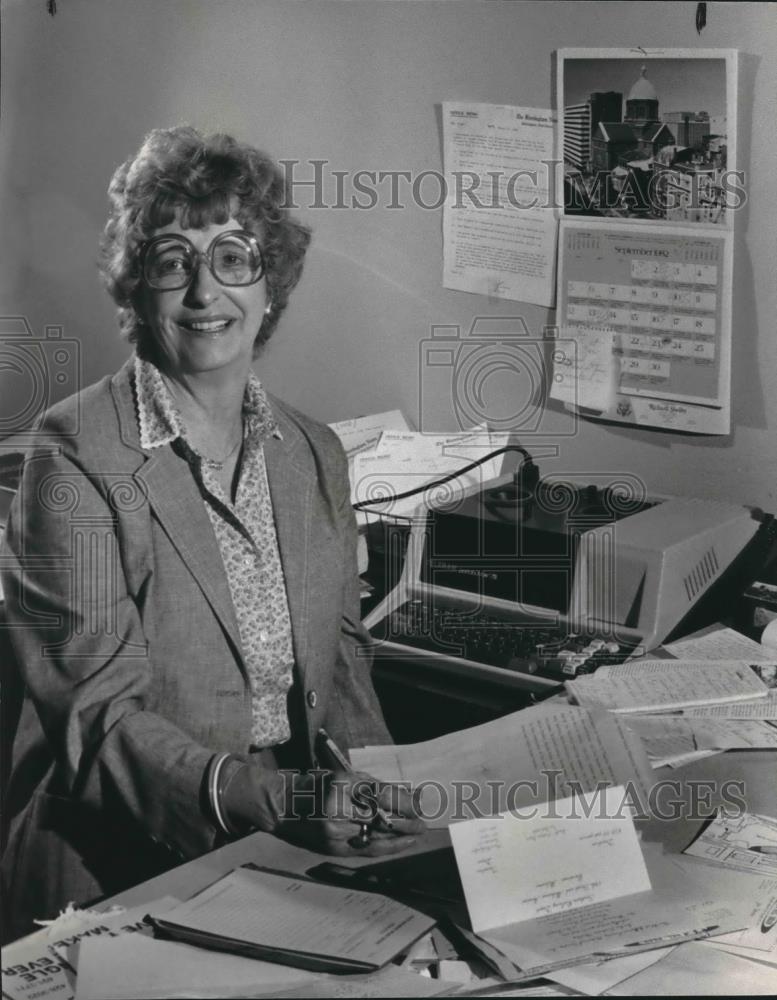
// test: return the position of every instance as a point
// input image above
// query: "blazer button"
(312, 698)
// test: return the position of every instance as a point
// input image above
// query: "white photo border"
(641, 55)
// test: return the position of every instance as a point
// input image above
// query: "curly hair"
(200, 180)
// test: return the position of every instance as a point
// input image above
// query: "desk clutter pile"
(563, 878)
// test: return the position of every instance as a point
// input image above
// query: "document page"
(573, 852)
(392, 982)
(131, 967)
(715, 643)
(360, 436)
(531, 756)
(279, 913)
(404, 460)
(758, 940)
(761, 708)
(363, 433)
(744, 842)
(43, 965)
(681, 906)
(499, 226)
(754, 889)
(653, 685)
(695, 969)
(668, 737)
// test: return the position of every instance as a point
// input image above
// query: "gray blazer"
(128, 645)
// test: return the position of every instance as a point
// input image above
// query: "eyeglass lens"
(234, 259)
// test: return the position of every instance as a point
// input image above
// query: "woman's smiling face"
(205, 326)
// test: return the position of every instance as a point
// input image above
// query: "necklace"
(218, 463)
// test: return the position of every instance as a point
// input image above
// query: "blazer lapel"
(178, 505)
(176, 501)
(291, 491)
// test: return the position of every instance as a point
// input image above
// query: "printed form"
(281, 915)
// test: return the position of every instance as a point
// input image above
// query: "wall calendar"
(661, 299)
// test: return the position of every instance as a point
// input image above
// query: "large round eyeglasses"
(170, 262)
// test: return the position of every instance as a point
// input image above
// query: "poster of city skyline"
(649, 135)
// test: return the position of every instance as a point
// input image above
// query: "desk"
(755, 769)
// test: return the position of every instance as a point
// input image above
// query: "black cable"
(446, 479)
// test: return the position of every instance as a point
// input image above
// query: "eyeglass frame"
(199, 256)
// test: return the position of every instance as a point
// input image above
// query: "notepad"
(295, 921)
(661, 685)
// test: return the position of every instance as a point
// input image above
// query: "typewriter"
(533, 589)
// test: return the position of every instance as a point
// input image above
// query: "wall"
(358, 84)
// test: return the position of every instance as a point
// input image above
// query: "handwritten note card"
(537, 862)
(585, 369)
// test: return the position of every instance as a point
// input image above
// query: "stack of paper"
(527, 758)
(295, 921)
(661, 685)
(738, 962)
(694, 969)
(88, 955)
(716, 642)
(570, 884)
(389, 982)
(131, 966)
(44, 964)
(363, 433)
(387, 458)
(737, 852)
(685, 709)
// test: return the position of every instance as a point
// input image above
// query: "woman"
(180, 577)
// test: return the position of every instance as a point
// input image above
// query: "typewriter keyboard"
(533, 648)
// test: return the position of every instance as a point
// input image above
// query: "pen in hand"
(342, 761)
